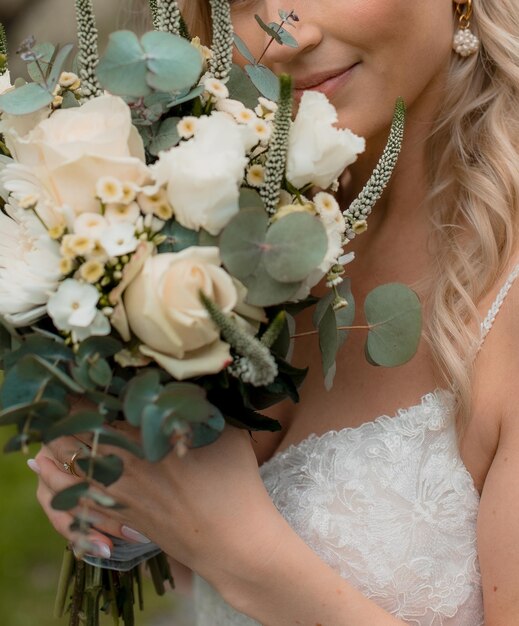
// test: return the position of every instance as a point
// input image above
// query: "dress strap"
(487, 323)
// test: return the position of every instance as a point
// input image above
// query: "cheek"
(246, 27)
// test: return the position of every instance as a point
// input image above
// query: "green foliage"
(45, 52)
(265, 81)
(394, 314)
(32, 97)
(165, 413)
(178, 237)
(242, 88)
(69, 498)
(105, 470)
(272, 260)
(159, 61)
(328, 322)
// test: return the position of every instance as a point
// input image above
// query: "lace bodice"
(391, 507)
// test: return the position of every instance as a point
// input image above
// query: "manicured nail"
(34, 466)
(101, 549)
(134, 535)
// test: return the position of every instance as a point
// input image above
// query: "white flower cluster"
(79, 238)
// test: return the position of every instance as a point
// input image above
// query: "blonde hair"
(474, 191)
(197, 15)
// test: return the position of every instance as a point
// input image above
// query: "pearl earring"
(465, 43)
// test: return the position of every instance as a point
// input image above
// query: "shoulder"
(494, 388)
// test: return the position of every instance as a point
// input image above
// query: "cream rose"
(203, 175)
(71, 150)
(318, 152)
(164, 311)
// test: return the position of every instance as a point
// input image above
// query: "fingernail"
(101, 549)
(134, 535)
(34, 466)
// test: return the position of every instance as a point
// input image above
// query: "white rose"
(29, 266)
(5, 82)
(203, 175)
(164, 311)
(319, 152)
(71, 150)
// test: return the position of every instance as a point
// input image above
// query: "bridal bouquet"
(162, 220)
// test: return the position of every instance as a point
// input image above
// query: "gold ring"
(70, 466)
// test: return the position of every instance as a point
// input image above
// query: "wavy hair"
(474, 191)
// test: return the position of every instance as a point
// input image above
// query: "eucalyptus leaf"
(54, 371)
(27, 99)
(394, 314)
(106, 469)
(58, 63)
(75, 424)
(18, 413)
(174, 64)
(100, 372)
(271, 31)
(263, 290)
(46, 50)
(243, 49)
(242, 88)
(119, 440)
(18, 443)
(187, 96)
(205, 433)
(69, 101)
(165, 136)
(142, 391)
(284, 35)
(265, 81)
(295, 246)
(123, 69)
(156, 442)
(328, 339)
(98, 346)
(206, 239)
(242, 242)
(178, 237)
(69, 498)
(250, 199)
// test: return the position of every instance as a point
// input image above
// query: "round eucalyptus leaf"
(284, 35)
(155, 441)
(178, 237)
(394, 314)
(174, 64)
(295, 246)
(241, 87)
(81, 422)
(142, 391)
(263, 290)
(250, 199)
(190, 94)
(27, 99)
(265, 81)
(106, 469)
(69, 498)
(123, 68)
(243, 241)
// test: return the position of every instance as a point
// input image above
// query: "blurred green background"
(30, 550)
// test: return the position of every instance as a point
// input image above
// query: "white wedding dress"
(390, 506)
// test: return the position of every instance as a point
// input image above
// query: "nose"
(307, 32)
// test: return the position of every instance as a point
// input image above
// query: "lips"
(316, 80)
(326, 82)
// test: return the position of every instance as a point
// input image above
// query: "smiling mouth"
(324, 83)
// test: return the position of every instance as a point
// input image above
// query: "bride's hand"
(206, 509)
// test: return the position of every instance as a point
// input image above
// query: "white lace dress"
(390, 506)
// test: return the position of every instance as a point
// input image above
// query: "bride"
(412, 517)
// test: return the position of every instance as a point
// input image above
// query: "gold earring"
(465, 43)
